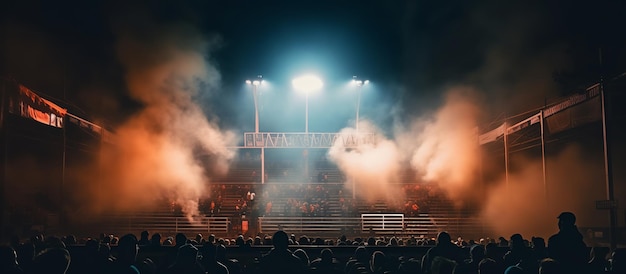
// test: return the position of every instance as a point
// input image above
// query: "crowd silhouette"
(565, 252)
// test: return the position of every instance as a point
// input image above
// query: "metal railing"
(135, 224)
(395, 224)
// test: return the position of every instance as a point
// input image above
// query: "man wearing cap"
(567, 247)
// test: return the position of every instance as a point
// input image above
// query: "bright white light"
(307, 83)
(248, 82)
(358, 83)
(256, 82)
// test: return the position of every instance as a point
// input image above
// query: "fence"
(135, 224)
(380, 224)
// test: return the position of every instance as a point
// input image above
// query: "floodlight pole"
(255, 85)
(306, 115)
(358, 105)
(359, 85)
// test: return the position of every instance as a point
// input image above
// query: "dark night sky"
(517, 54)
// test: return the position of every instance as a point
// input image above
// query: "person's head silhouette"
(280, 240)
(567, 220)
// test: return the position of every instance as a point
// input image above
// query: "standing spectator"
(567, 247)
(280, 259)
(444, 248)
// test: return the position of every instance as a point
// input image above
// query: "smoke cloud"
(371, 170)
(441, 149)
(157, 152)
(447, 149)
(524, 205)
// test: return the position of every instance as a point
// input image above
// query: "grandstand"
(316, 206)
(312, 201)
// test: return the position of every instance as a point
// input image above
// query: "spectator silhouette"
(550, 266)
(513, 269)
(147, 266)
(599, 263)
(378, 263)
(155, 240)
(69, 240)
(520, 255)
(442, 265)
(304, 258)
(502, 242)
(410, 265)
(539, 251)
(326, 263)
(199, 238)
(51, 261)
(444, 248)
(8, 261)
(567, 246)
(209, 260)
(470, 266)
(181, 239)
(127, 250)
(493, 252)
(279, 259)
(232, 264)
(186, 261)
(87, 261)
(618, 261)
(144, 240)
(489, 266)
(359, 261)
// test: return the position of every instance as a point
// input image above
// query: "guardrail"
(395, 224)
(135, 224)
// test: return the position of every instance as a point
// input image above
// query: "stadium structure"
(284, 181)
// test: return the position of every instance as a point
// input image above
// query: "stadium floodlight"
(359, 84)
(255, 83)
(307, 83)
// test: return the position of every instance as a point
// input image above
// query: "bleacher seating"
(435, 212)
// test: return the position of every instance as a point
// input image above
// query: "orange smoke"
(446, 147)
(526, 206)
(155, 156)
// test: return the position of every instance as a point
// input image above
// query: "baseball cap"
(567, 217)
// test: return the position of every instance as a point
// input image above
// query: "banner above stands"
(494, 134)
(30, 105)
(26, 103)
